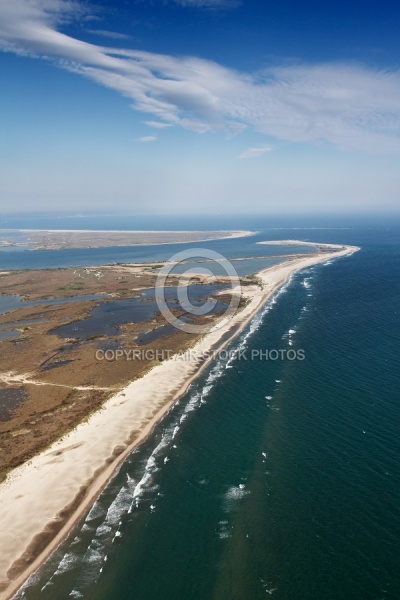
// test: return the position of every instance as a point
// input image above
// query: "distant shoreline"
(88, 237)
(66, 479)
(234, 232)
(299, 243)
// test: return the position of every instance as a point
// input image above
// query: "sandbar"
(57, 239)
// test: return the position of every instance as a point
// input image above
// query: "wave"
(103, 526)
(233, 495)
(224, 531)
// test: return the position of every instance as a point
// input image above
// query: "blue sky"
(189, 105)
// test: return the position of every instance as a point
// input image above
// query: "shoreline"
(69, 476)
(298, 243)
(230, 234)
(233, 232)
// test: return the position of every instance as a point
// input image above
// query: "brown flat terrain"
(48, 383)
(56, 240)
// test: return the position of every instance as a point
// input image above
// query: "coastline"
(68, 477)
(230, 234)
(298, 243)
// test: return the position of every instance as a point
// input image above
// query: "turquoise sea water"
(269, 478)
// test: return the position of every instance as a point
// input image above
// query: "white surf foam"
(233, 495)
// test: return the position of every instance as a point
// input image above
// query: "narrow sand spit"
(56, 237)
(11, 378)
(42, 500)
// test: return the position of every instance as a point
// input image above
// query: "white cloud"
(146, 138)
(349, 106)
(254, 152)
(157, 124)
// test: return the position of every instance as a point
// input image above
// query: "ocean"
(269, 477)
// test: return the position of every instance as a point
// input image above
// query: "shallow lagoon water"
(245, 247)
(105, 318)
(10, 400)
(12, 302)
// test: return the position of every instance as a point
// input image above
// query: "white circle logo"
(182, 282)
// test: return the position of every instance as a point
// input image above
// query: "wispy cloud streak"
(254, 152)
(146, 139)
(158, 124)
(347, 105)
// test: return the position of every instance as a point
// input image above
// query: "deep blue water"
(282, 477)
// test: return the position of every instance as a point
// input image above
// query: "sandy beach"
(298, 243)
(42, 500)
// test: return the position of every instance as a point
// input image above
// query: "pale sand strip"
(228, 234)
(12, 378)
(42, 500)
(298, 243)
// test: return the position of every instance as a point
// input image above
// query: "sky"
(184, 106)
